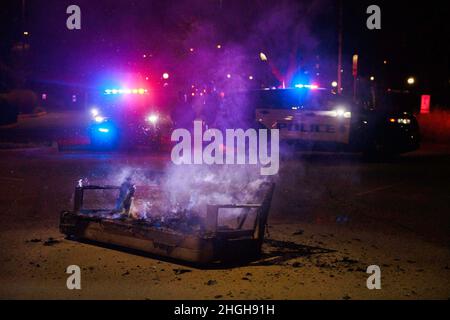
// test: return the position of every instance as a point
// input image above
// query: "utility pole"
(340, 40)
(23, 15)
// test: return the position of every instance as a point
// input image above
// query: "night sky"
(116, 34)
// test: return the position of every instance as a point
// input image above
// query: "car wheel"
(378, 152)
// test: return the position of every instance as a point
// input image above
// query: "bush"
(8, 112)
(25, 100)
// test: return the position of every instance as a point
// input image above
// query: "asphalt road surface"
(332, 216)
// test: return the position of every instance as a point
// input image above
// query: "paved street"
(332, 216)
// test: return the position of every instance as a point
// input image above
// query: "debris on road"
(51, 242)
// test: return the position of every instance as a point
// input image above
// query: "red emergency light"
(425, 104)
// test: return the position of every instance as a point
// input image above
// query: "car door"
(322, 123)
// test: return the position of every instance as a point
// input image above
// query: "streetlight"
(262, 56)
(165, 76)
(372, 78)
(411, 81)
(334, 84)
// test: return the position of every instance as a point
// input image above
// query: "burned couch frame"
(213, 244)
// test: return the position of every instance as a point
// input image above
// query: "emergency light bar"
(126, 91)
(307, 86)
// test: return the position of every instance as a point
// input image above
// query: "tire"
(378, 152)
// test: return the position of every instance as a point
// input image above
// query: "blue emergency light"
(307, 86)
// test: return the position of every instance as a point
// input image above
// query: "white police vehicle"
(318, 119)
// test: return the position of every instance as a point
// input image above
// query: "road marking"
(12, 179)
(377, 189)
(9, 126)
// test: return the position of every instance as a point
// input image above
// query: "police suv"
(129, 116)
(318, 119)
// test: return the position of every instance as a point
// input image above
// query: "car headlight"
(153, 118)
(400, 120)
(96, 116)
(341, 113)
(404, 121)
(94, 112)
(99, 119)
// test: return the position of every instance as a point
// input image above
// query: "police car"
(126, 117)
(318, 119)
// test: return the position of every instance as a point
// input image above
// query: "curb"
(9, 126)
(53, 147)
(32, 115)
